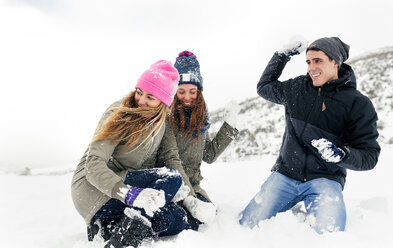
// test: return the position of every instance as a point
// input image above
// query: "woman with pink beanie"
(119, 187)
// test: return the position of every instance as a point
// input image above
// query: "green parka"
(103, 167)
(192, 153)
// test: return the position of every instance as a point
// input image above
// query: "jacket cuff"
(347, 153)
(230, 131)
(120, 191)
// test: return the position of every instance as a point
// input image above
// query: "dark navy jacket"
(336, 111)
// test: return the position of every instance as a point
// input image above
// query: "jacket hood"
(346, 77)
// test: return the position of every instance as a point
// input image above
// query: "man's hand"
(328, 151)
(295, 46)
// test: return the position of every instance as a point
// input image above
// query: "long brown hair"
(132, 123)
(197, 118)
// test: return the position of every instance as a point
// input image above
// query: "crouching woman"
(117, 187)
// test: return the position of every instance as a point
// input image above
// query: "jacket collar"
(346, 79)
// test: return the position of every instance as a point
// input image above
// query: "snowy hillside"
(261, 123)
(374, 73)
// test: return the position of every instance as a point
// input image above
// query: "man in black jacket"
(330, 127)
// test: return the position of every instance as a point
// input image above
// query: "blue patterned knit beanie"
(188, 67)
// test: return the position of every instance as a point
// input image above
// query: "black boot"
(92, 231)
(101, 226)
(129, 232)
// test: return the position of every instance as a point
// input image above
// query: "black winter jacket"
(336, 111)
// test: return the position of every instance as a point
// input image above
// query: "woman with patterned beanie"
(190, 121)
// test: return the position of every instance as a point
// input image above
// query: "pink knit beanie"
(160, 80)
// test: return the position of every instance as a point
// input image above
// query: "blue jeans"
(322, 197)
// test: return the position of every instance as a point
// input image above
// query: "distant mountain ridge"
(261, 123)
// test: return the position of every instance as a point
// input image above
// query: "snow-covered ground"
(37, 211)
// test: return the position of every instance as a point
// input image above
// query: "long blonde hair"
(131, 123)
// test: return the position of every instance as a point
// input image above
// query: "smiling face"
(144, 99)
(187, 93)
(320, 68)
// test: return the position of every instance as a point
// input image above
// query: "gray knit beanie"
(332, 47)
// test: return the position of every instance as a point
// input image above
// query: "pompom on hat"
(189, 71)
(332, 47)
(160, 80)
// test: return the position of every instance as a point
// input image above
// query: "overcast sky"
(63, 62)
